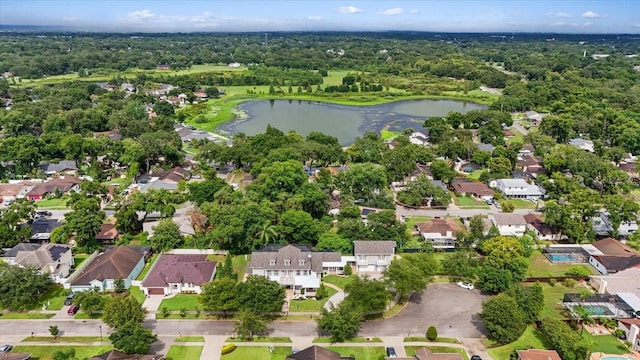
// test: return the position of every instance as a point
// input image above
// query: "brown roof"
(114, 263)
(536, 354)
(439, 225)
(10, 189)
(119, 355)
(529, 160)
(509, 219)
(535, 221)
(175, 174)
(630, 321)
(476, 188)
(63, 184)
(378, 247)
(261, 259)
(316, 352)
(613, 247)
(107, 232)
(181, 269)
(628, 167)
(426, 354)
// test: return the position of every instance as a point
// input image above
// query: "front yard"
(52, 203)
(257, 353)
(310, 305)
(184, 352)
(339, 281)
(46, 352)
(181, 301)
(359, 352)
(469, 202)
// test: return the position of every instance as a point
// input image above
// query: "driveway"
(452, 310)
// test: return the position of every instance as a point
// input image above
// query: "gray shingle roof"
(60, 166)
(377, 247)
(300, 257)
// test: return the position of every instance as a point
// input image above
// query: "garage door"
(155, 291)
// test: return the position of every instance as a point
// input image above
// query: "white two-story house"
(510, 224)
(373, 256)
(517, 189)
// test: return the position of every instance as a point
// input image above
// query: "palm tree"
(583, 313)
(267, 233)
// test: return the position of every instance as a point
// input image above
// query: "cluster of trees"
(23, 287)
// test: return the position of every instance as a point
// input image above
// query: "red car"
(73, 309)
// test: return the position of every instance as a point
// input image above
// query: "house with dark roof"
(166, 179)
(10, 255)
(108, 233)
(427, 354)
(476, 189)
(294, 266)
(373, 256)
(440, 232)
(509, 224)
(542, 230)
(537, 354)
(316, 352)
(603, 227)
(120, 262)
(111, 135)
(53, 259)
(64, 167)
(119, 355)
(176, 274)
(615, 256)
(41, 229)
(63, 184)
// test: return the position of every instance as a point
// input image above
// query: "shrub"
(347, 270)
(576, 270)
(569, 283)
(183, 312)
(552, 282)
(228, 348)
(164, 311)
(432, 333)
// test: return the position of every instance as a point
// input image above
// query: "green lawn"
(238, 261)
(177, 352)
(518, 137)
(553, 296)
(468, 202)
(137, 294)
(424, 339)
(63, 339)
(339, 281)
(359, 339)
(265, 339)
(522, 204)
(257, 353)
(30, 316)
(387, 135)
(52, 203)
(190, 339)
(540, 266)
(310, 304)
(607, 344)
(360, 353)
(475, 175)
(121, 182)
(147, 266)
(46, 352)
(176, 303)
(413, 220)
(56, 297)
(411, 350)
(531, 339)
(79, 259)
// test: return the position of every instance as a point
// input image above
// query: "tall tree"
(503, 318)
(250, 324)
(220, 295)
(132, 338)
(120, 310)
(166, 236)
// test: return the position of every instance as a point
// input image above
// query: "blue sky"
(564, 16)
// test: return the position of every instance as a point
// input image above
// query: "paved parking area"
(452, 310)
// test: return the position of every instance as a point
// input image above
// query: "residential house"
(542, 230)
(9, 256)
(121, 262)
(176, 274)
(427, 354)
(164, 67)
(111, 135)
(373, 256)
(64, 167)
(296, 267)
(63, 185)
(485, 147)
(508, 134)
(365, 211)
(316, 352)
(586, 145)
(534, 117)
(631, 328)
(615, 257)
(526, 150)
(509, 224)
(624, 281)
(517, 189)
(602, 225)
(440, 232)
(53, 259)
(13, 191)
(475, 189)
(167, 179)
(537, 354)
(419, 138)
(41, 229)
(108, 233)
(119, 355)
(188, 133)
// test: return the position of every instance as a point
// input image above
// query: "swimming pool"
(617, 358)
(563, 258)
(600, 310)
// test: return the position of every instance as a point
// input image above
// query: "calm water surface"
(342, 121)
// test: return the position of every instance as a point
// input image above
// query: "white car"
(465, 285)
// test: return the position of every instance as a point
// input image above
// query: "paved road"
(516, 126)
(453, 212)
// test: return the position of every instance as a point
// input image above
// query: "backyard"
(540, 266)
(531, 339)
(147, 266)
(607, 344)
(239, 263)
(553, 296)
(257, 353)
(184, 352)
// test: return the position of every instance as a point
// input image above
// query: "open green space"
(121, 182)
(607, 344)
(358, 339)
(522, 204)
(61, 339)
(184, 352)
(337, 280)
(469, 203)
(540, 266)
(147, 266)
(137, 294)
(475, 175)
(411, 350)
(190, 339)
(46, 352)
(424, 339)
(55, 297)
(258, 353)
(388, 135)
(181, 301)
(517, 138)
(530, 339)
(29, 316)
(60, 203)
(239, 262)
(310, 305)
(553, 296)
(359, 352)
(264, 339)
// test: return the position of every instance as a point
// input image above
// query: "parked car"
(73, 309)
(44, 213)
(475, 357)
(489, 202)
(69, 299)
(5, 348)
(465, 285)
(391, 352)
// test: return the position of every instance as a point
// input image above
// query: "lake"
(342, 121)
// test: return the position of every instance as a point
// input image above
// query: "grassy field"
(553, 296)
(238, 261)
(531, 339)
(388, 135)
(55, 298)
(60, 339)
(257, 353)
(475, 175)
(310, 304)
(522, 204)
(518, 137)
(413, 220)
(411, 350)
(147, 266)
(52, 203)
(46, 352)
(79, 259)
(189, 302)
(29, 316)
(360, 353)
(265, 339)
(607, 344)
(339, 281)
(137, 294)
(327, 340)
(469, 203)
(184, 352)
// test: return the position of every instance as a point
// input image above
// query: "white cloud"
(586, 24)
(562, 23)
(591, 15)
(392, 11)
(560, 15)
(636, 25)
(349, 10)
(69, 19)
(414, 11)
(315, 18)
